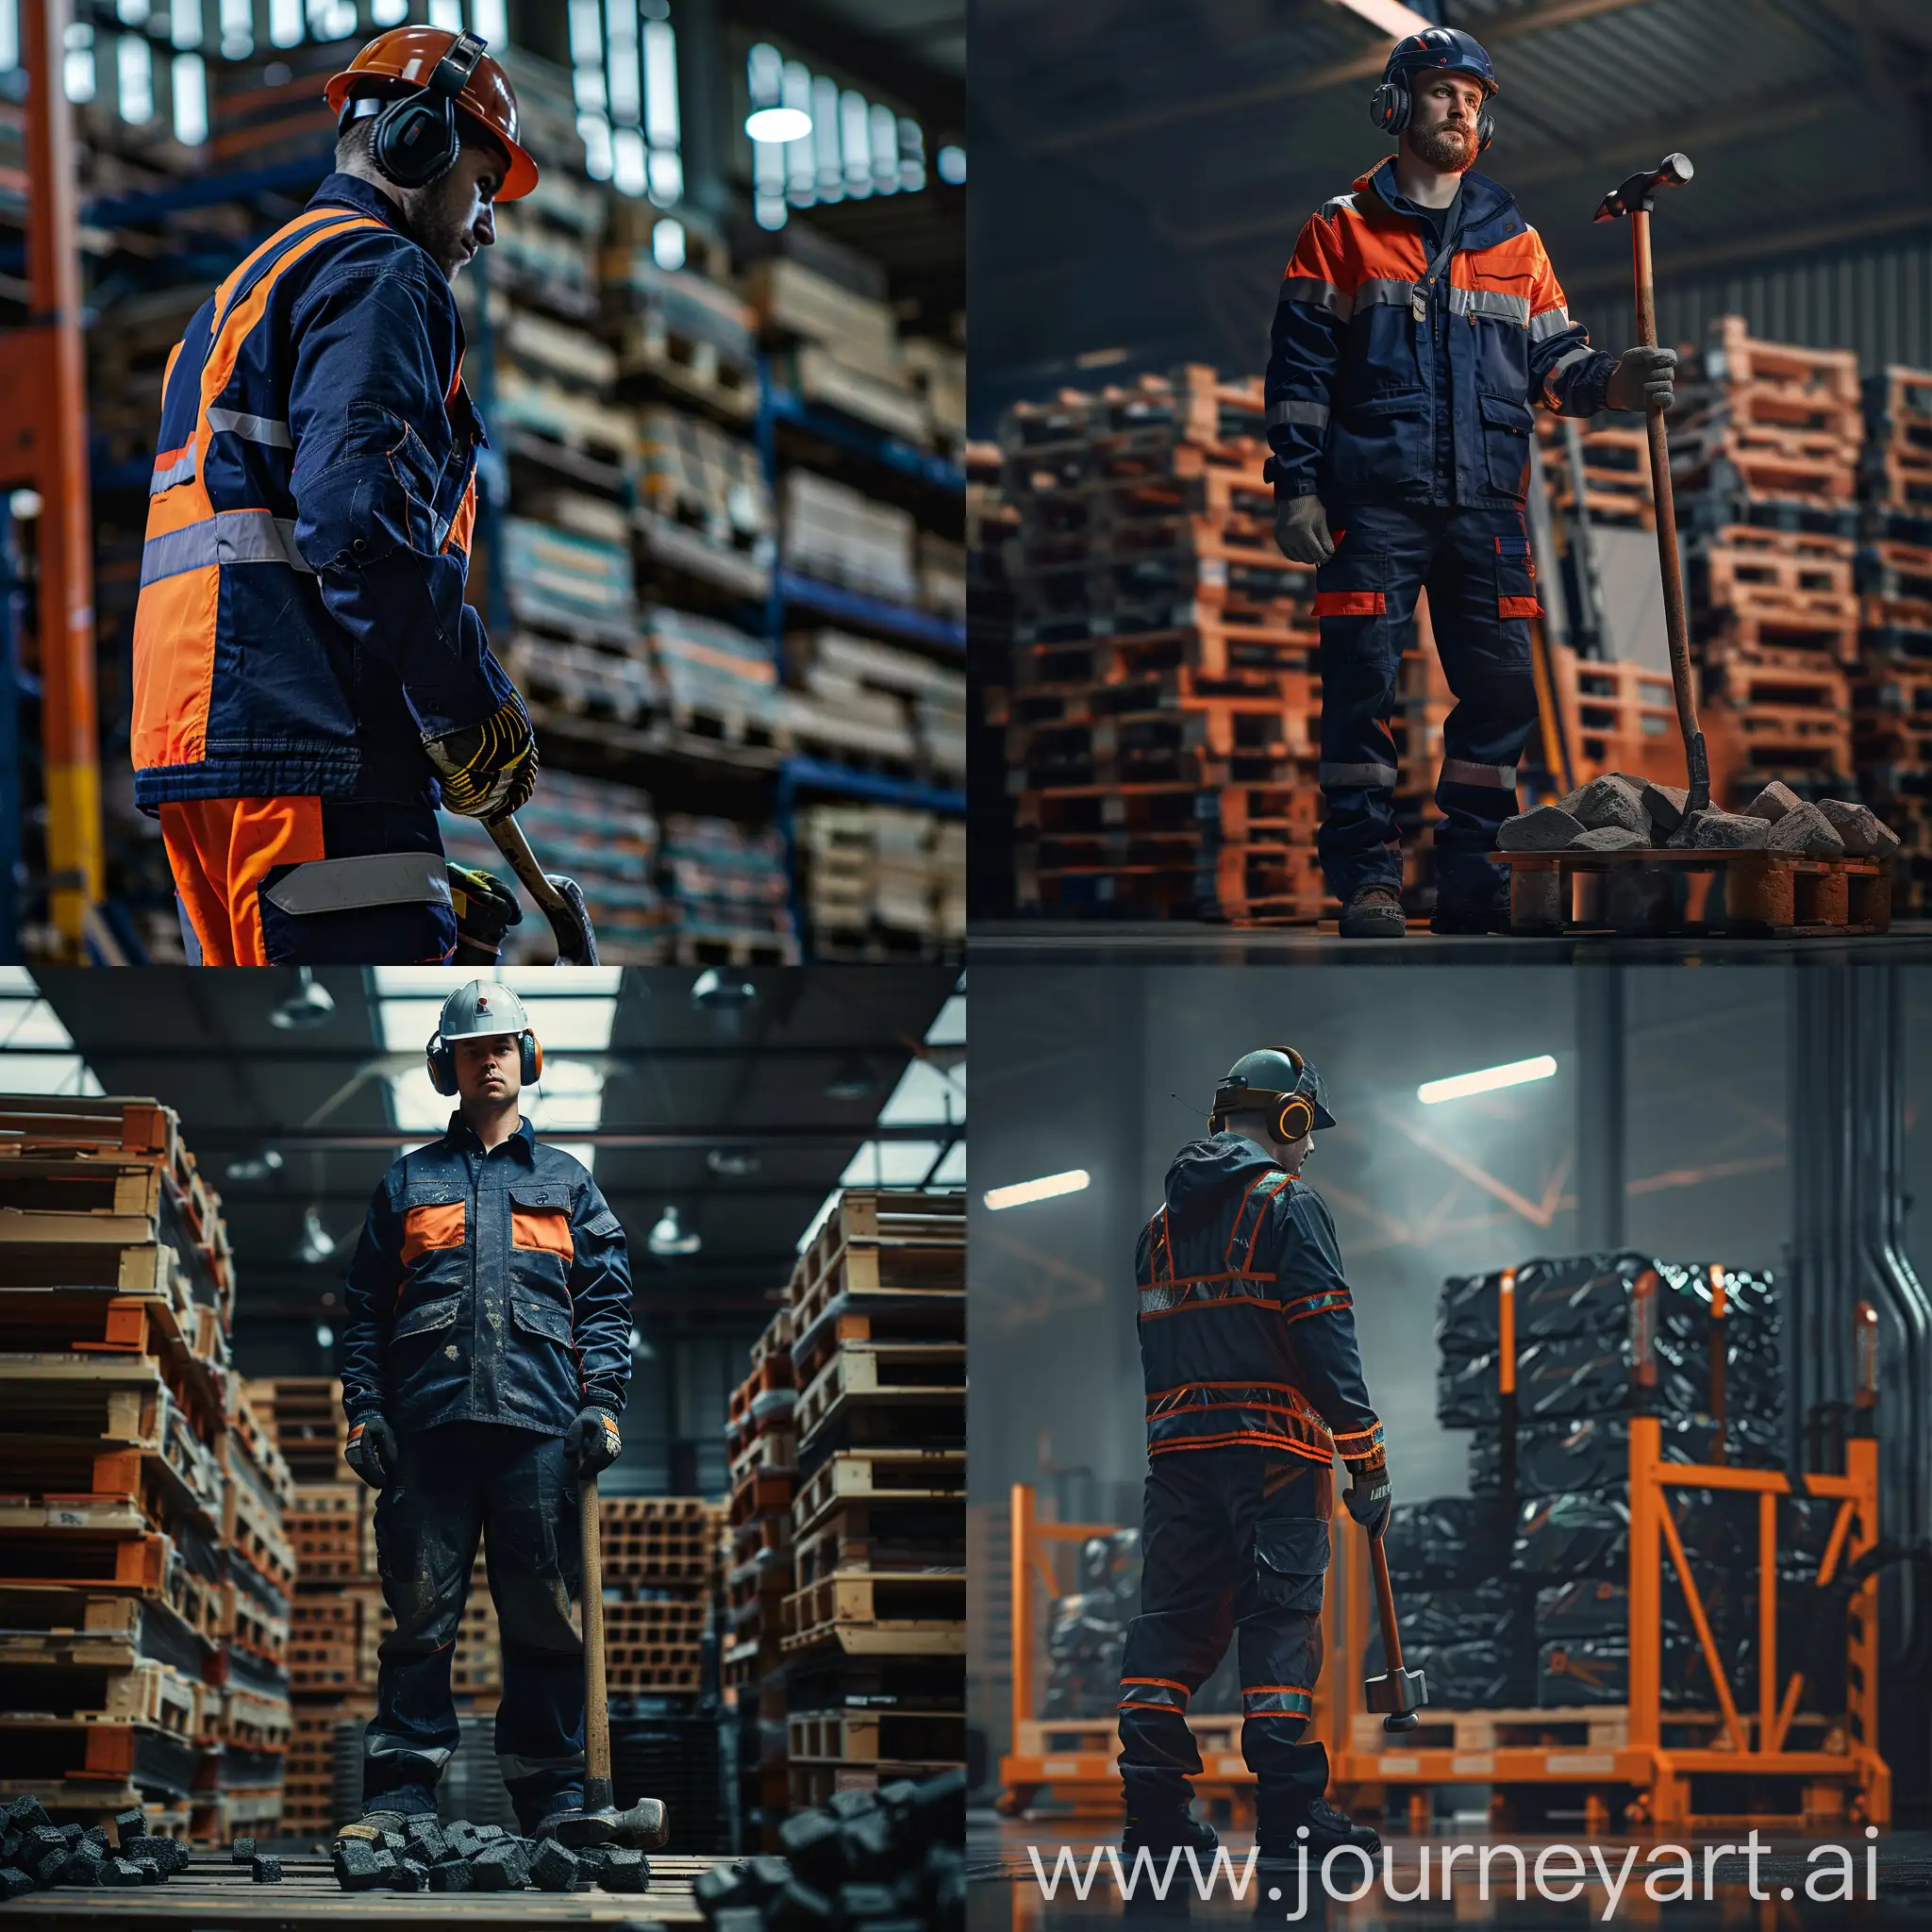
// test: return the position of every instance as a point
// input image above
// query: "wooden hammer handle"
(596, 1705)
(1385, 1606)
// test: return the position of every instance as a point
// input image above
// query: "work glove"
(1368, 1496)
(1643, 380)
(488, 770)
(592, 1441)
(1301, 530)
(372, 1451)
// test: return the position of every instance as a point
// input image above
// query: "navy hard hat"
(1267, 1078)
(1441, 50)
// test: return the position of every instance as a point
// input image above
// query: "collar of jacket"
(1490, 213)
(465, 1139)
(351, 190)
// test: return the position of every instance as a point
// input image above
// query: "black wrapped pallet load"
(1446, 1540)
(1492, 1612)
(1590, 1295)
(1583, 1670)
(1593, 1451)
(1466, 1316)
(1589, 1535)
(1481, 1674)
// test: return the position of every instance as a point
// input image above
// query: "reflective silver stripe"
(1357, 774)
(382, 1744)
(1334, 205)
(230, 535)
(1491, 777)
(251, 428)
(1558, 367)
(1552, 322)
(379, 879)
(1397, 293)
(1495, 301)
(1309, 415)
(1317, 294)
(510, 1765)
(180, 471)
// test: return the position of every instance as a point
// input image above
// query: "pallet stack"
(875, 1632)
(729, 893)
(1159, 743)
(139, 1534)
(1764, 459)
(1892, 699)
(761, 1452)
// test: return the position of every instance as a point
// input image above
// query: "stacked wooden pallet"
(1159, 743)
(1891, 698)
(1764, 457)
(141, 1555)
(761, 1453)
(1613, 456)
(729, 893)
(660, 1576)
(874, 1631)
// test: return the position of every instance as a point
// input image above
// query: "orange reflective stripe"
(1348, 604)
(1518, 607)
(463, 525)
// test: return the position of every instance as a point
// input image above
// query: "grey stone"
(127, 1825)
(51, 1870)
(452, 1875)
(499, 1867)
(1611, 800)
(84, 1867)
(360, 1866)
(1609, 838)
(1665, 803)
(625, 1870)
(14, 1883)
(264, 1869)
(1774, 802)
(1548, 828)
(242, 1850)
(151, 1872)
(1720, 831)
(120, 1872)
(1866, 835)
(553, 1868)
(411, 1876)
(1807, 833)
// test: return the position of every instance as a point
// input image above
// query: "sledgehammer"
(1397, 1691)
(561, 900)
(600, 1822)
(1634, 198)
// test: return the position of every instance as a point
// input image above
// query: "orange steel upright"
(44, 447)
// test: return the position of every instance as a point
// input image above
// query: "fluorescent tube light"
(1044, 1189)
(1461, 1085)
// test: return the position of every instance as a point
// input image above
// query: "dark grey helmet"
(1268, 1077)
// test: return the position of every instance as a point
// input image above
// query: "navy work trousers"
(1234, 1543)
(1476, 566)
(453, 1484)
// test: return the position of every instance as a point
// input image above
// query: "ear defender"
(1297, 1115)
(1390, 104)
(529, 1058)
(415, 142)
(442, 1062)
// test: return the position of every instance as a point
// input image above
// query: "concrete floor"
(1004, 1895)
(1178, 943)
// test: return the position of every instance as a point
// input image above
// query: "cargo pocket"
(544, 1319)
(539, 1238)
(1291, 1558)
(433, 1219)
(1515, 580)
(1506, 427)
(1379, 443)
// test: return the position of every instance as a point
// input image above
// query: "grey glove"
(1301, 530)
(1369, 1495)
(371, 1451)
(1643, 380)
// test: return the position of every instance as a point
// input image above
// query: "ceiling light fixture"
(1488, 1080)
(776, 124)
(671, 1236)
(732, 1166)
(712, 992)
(308, 1005)
(1023, 1192)
(255, 1167)
(317, 1244)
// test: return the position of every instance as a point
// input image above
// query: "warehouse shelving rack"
(1633, 1765)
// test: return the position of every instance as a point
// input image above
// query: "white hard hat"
(482, 1009)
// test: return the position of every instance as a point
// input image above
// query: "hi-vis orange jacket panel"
(1357, 374)
(300, 628)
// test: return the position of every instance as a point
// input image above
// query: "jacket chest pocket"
(540, 1233)
(1506, 427)
(545, 1321)
(435, 1217)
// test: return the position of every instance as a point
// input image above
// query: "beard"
(441, 225)
(1450, 149)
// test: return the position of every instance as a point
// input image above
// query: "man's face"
(452, 218)
(1293, 1153)
(1441, 122)
(489, 1070)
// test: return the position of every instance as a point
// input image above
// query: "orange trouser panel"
(221, 850)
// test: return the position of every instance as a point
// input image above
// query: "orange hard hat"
(410, 54)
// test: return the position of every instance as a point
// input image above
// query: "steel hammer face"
(1636, 191)
(1396, 1693)
(643, 1827)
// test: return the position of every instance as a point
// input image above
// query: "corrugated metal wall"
(1877, 300)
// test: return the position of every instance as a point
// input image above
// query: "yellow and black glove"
(488, 770)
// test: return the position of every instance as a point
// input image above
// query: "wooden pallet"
(875, 1736)
(761, 1492)
(658, 1540)
(1235, 813)
(1765, 893)
(893, 1533)
(331, 1527)
(767, 1451)
(859, 1475)
(879, 1614)
(890, 1374)
(303, 1414)
(1266, 884)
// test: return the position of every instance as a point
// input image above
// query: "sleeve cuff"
(362, 1411)
(597, 1396)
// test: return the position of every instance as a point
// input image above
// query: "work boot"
(1373, 912)
(1164, 1831)
(371, 1826)
(1279, 1832)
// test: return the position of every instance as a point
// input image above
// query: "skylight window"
(31, 1037)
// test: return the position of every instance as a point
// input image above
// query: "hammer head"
(1639, 190)
(1399, 1695)
(644, 1827)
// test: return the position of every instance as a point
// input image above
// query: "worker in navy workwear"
(309, 682)
(485, 1358)
(1418, 321)
(1253, 1386)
